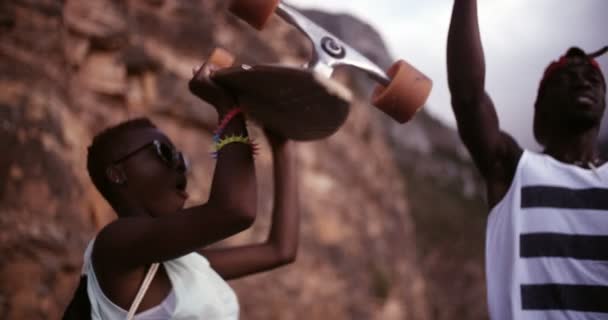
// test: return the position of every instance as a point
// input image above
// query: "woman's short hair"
(97, 155)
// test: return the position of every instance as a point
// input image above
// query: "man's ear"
(116, 175)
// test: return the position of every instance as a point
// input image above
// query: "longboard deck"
(293, 102)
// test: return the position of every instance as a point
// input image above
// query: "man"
(547, 232)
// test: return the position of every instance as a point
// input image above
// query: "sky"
(520, 38)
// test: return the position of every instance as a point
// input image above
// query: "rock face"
(70, 68)
(445, 191)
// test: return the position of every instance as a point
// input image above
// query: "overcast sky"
(520, 38)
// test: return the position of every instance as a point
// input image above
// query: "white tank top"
(547, 243)
(198, 292)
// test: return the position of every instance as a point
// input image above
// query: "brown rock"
(101, 19)
(105, 73)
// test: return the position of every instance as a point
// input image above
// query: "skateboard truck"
(402, 90)
(329, 51)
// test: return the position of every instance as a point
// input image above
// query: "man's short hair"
(97, 155)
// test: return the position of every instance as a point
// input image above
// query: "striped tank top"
(547, 243)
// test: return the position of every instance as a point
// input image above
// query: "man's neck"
(579, 149)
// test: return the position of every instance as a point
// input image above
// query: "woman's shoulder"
(192, 259)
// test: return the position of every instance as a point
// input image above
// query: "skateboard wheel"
(405, 94)
(221, 58)
(255, 12)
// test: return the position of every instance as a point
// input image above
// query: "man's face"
(576, 93)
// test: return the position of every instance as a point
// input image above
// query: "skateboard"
(305, 103)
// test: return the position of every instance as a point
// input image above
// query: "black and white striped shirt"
(547, 243)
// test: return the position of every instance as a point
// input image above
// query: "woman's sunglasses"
(167, 153)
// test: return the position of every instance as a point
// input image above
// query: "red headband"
(562, 62)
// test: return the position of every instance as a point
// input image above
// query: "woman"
(141, 174)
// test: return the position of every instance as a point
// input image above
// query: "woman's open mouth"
(181, 185)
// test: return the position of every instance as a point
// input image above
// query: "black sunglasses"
(167, 153)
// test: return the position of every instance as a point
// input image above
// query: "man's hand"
(202, 86)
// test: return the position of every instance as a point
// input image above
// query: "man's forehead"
(578, 63)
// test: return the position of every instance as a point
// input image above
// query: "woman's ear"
(116, 175)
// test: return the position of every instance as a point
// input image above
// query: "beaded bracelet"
(234, 139)
(224, 122)
(231, 139)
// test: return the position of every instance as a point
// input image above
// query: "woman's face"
(154, 172)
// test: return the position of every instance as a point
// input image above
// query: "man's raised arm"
(495, 153)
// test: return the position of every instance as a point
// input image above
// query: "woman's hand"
(276, 141)
(202, 86)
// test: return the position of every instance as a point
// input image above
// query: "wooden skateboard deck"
(291, 101)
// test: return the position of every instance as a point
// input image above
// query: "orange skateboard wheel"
(220, 58)
(405, 94)
(254, 12)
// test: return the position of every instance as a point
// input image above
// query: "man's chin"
(585, 118)
(587, 104)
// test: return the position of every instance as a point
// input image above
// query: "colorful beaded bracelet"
(234, 139)
(224, 122)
